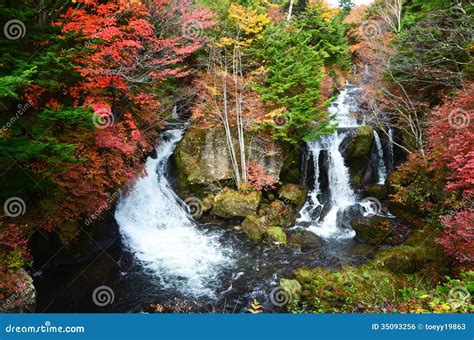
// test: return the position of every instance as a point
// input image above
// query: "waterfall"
(391, 156)
(312, 207)
(161, 234)
(325, 218)
(381, 169)
(341, 194)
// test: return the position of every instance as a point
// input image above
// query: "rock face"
(294, 194)
(254, 228)
(304, 239)
(277, 213)
(23, 300)
(358, 154)
(232, 203)
(201, 159)
(373, 230)
(276, 234)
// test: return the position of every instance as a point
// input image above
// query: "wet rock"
(403, 263)
(277, 213)
(232, 203)
(294, 194)
(291, 169)
(373, 230)
(304, 239)
(23, 299)
(378, 191)
(254, 228)
(276, 234)
(358, 154)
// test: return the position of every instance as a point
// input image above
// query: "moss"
(358, 153)
(378, 191)
(294, 194)
(293, 290)
(253, 228)
(291, 169)
(276, 234)
(232, 203)
(373, 230)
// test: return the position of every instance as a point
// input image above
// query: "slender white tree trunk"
(290, 11)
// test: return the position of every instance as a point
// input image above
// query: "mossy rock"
(294, 194)
(291, 169)
(373, 230)
(23, 298)
(277, 213)
(400, 260)
(378, 191)
(357, 153)
(232, 203)
(276, 234)
(253, 227)
(292, 289)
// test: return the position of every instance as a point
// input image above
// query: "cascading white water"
(381, 169)
(163, 236)
(341, 194)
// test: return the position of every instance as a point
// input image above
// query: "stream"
(161, 255)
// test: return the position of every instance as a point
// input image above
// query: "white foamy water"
(344, 108)
(381, 169)
(163, 236)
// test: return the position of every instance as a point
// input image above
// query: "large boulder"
(276, 234)
(304, 239)
(358, 154)
(201, 159)
(294, 194)
(373, 230)
(278, 213)
(254, 228)
(232, 203)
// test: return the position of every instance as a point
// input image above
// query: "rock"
(232, 203)
(304, 239)
(277, 214)
(276, 234)
(23, 299)
(357, 155)
(293, 291)
(291, 169)
(294, 194)
(378, 191)
(202, 159)
(207, 203)
(402, 263)
(254, 228)
(372, 230)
